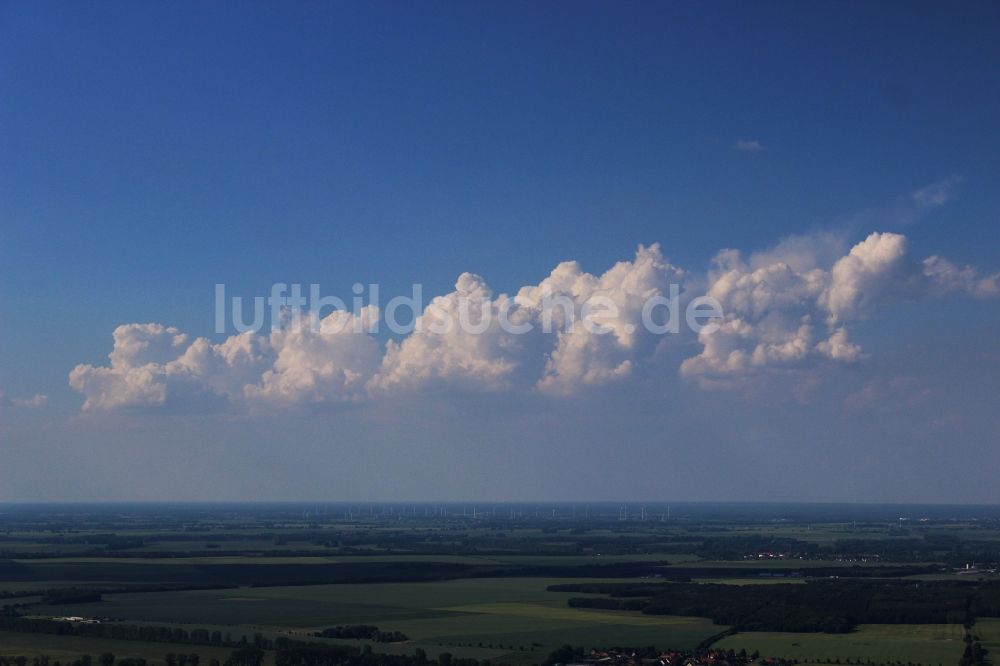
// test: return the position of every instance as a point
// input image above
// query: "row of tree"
(833, 606)
(296, 655)
(241, 657)
(363, 632)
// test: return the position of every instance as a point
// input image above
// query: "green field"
(499, 613)
(779, 563)
(751, 581)
(930, 644)
(73, 647)
(558, 560)
(988, 631)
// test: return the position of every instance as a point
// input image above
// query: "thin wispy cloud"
(936, 194)
(910, 208)
(749, 145)
(34, 402)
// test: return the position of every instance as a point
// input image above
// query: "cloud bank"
(785, 309)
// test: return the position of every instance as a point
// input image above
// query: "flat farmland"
(507, 613)
(988, 631)
(785, 580)
(237, 570)
(73, 647)
(790, 563)
(929, 644)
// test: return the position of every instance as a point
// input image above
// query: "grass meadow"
(988, 631)
(72, 647)
(929, 644)
(465, 616)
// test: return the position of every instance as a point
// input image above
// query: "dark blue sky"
(149, 151)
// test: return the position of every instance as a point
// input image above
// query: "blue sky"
(148, 152)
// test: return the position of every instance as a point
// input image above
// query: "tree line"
(363, 632)
(833, 606)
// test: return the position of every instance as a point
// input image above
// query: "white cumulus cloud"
(319, 361)
(458, 340)
(609, 338)
(152, 365)
(789, 306)
(784, 309)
